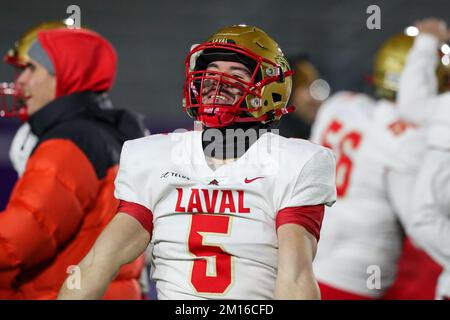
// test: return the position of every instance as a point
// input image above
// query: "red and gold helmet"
(264, 98)
(11, 102)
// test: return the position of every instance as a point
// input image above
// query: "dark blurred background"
(153, 37)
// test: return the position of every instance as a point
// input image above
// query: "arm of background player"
(422, 205)
(296, 251)
(430, 211)
(418, 82)
(122, 241)
(399, 186)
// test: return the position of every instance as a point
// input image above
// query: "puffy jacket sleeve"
(46, 206)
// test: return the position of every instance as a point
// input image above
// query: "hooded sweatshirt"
(65, 197)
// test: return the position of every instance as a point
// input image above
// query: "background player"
(429, 225)
(376, 153)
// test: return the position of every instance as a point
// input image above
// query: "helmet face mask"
(261, 99)
(204, 82)
(12, 102)
(220, 88)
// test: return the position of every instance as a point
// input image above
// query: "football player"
(377, 155)
(242, 224)
(419, 102)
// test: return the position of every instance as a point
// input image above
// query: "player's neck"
(233, 141)
(214, 163)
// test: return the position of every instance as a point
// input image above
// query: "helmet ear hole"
(276, 97)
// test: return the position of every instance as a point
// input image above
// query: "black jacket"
(89, 120)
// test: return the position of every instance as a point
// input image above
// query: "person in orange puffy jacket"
(64, 196)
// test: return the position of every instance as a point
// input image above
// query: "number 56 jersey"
(214, 232)
(377, 153)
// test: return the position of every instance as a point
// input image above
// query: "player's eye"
(209, 83)
(238, 84)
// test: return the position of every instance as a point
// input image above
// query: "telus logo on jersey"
(174, 174)
(207, 201)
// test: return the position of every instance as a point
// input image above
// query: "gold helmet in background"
(11, 104)
(389, 62)
(264, 98)
(18, 55)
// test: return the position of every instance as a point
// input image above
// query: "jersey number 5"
(343, 144)
(218, 277)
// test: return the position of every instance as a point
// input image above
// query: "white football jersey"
(21, 147)
(214, 232)
(420, 102)
(430, 214)
(361, 235)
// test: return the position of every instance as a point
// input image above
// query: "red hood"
(83, 60)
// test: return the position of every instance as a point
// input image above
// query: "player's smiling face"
(226, 94)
